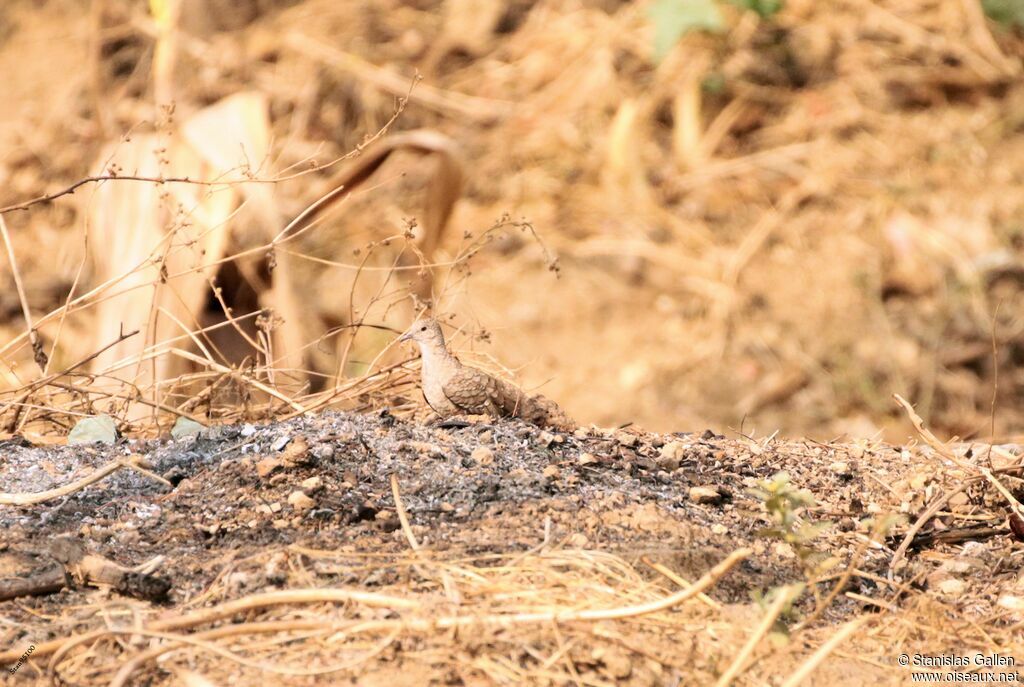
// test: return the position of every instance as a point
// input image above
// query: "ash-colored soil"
(485, 488)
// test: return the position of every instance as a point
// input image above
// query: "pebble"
(1014, 603)
(705, 494)
(952, 587)
(840, 467)
(616, 662)
(577, 540)
(671, 455)
(267, 466)
(300, 501)
(626, 439)
(323, 451)
(482, 455)
(547, 438)
(312, 484)
(247, 430)
(280, 443)
(587, 459)
(552, 472)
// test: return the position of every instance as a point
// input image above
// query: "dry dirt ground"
(494, 496)
(851, 227)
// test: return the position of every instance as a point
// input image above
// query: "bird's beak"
(405, 337)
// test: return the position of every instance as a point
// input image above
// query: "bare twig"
(37, 348)
(785, 595)
(823, 651)
(132, 462)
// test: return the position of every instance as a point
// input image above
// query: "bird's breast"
(435, 374)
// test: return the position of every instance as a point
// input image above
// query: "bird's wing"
(475, 392)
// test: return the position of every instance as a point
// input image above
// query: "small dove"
(451, 388)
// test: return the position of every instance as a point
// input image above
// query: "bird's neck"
(436, 357)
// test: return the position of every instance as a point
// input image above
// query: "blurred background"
(754, 215)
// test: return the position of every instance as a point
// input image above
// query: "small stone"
(519, 475)
(952, 587)
(958, 500)
(267, 466)
(300, 501)
(551, 472)
(667, 463)
(840, 467)
(578, 540)
(323, 451)
(705, 494)
(719, 528)
(581, 433)
(963, 565)
(297, 451)
(587, 459)
(280, 524)
(548, 438)
(185, 427)
(671, 455)
(626, 439)
(312, 484)
(424, 448)
(247, 430)
(482, 455)
(447, 507)
(99, 429)
(280, 443)
(1014, 603)
(617, 664)
(275, 507)
(486, 436)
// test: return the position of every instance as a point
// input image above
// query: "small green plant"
(783, 502)
(674, 18)
(788, 616)
(1009, 13)
(763, 8)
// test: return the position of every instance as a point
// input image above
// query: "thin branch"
(37, 348)
(131, 462)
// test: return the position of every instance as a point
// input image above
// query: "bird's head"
(424, 331)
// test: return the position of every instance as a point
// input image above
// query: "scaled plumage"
(451, 388)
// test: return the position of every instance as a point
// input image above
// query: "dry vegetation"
(776, 226)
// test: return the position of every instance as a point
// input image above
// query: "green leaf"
(99, 429)
(1009, 13)
(673, 18)
(185, 427)
(764, 8)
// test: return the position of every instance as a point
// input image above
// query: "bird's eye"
(423, 328)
